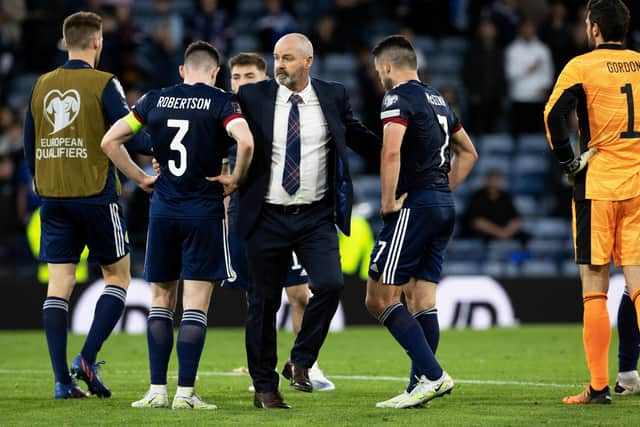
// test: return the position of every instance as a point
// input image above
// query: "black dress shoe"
(270, 400)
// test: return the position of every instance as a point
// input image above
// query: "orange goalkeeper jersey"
(604, 88)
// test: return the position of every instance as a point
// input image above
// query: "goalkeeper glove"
(572, 167)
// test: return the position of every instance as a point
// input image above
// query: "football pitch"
(503, 377)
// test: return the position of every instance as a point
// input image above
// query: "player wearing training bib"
(69, 111)
(187, 237)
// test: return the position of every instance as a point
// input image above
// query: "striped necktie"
(291, 173)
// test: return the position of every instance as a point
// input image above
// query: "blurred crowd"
(494, 60)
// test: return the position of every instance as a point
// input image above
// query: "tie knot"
(295, 99)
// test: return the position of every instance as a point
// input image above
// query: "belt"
(292, 209)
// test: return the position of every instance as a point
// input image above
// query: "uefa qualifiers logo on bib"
(61, 109)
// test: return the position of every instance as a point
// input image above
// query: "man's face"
(290, 65)
(383, 74)
(243, 74)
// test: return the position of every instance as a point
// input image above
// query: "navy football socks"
(55, 314)
(628, 334)
(193, 330)
(160, 343)
(408, 332)
(428, 320)
(107, 313)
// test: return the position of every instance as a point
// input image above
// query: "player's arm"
(392, 136)
(29, 136)
(113, 146)
(115, 107)
(238, 129)
(561, 103)
(464, 157)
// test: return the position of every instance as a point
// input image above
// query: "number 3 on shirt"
(176, 144)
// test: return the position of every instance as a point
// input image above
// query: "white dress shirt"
(314, 138)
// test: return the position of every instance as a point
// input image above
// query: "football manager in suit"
(298, 188)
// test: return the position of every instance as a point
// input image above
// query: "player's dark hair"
(398, 50)
(78, 28)
(612, 16)
(201, 51)
(249, 58)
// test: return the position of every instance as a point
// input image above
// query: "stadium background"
(143, 44)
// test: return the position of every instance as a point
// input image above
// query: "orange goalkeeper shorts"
(604, 228)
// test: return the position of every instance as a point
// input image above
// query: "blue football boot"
(82, 370)
(69, 391)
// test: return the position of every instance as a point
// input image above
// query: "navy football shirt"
(187, 125)
(425, 153)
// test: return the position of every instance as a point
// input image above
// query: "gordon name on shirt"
(184, 103)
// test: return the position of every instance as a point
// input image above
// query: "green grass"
(550, 356)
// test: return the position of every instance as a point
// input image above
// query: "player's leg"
(394, 260)
(60, 247)
(108, 244)
(421, 302)
(627, 254)
(205, 261)
(164, 296)
(162, 267)
(298, 297)
(594, 222)
(55, 317)
(191, 337)
(628, 381)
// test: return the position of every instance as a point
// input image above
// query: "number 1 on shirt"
(630, 133)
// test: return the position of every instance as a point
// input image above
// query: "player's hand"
(156, 166)
(147, 183)
(576, 165)
(229, 183)
(395, 207)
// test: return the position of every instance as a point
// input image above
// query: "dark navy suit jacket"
(258, 105)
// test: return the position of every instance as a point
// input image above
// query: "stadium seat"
(549, 228)
(489, 162)
(531, 164)
(465, 249)
(244, 43)
(547, 249)
(500, 269)
(464, 268)
(526, 205)
(539, 268)
(569, 268)
(527, 184)
(426, 44)
(453, 44)
(532, 143)
(495, 143)
(338, 63)
(366, 187)
(503, 250)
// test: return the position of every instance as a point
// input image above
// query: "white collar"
(306, 93)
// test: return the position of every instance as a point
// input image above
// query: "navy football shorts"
(411, 244)
(187, 248)
(296, 275)
(67, 226)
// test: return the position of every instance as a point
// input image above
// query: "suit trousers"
(311, 233)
